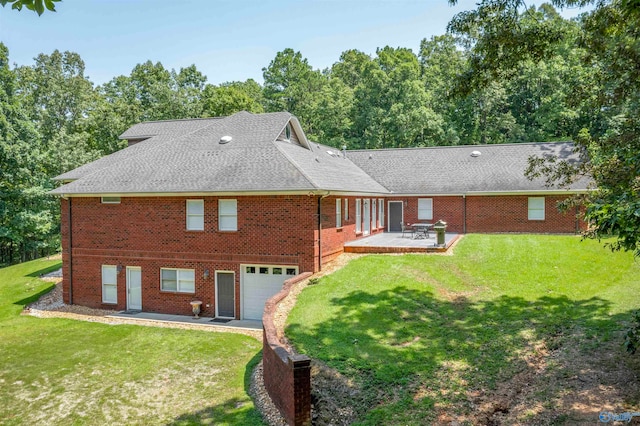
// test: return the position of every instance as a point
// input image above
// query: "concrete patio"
(203, 321)
(395, 242)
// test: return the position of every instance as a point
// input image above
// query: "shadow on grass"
(233, 411)
(34, 297)
(37, 274)
(408, 350)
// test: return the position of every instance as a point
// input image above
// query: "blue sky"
(226, 39)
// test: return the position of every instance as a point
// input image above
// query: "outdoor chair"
(407, 229)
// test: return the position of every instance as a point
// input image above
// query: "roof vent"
(225, 139)
(476, 154)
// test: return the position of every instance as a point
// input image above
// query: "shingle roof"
(185, 156)
(453, 170)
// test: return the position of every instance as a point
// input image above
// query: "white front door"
(367, 217)
(134, 288)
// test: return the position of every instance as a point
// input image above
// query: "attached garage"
(258, 283)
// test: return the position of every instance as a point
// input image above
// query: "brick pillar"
(301, 368)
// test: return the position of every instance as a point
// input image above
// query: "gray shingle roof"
(181, 156)
(185, 156)
(453, 170)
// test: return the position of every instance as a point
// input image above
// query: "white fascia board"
(185, 194)
(538, 192)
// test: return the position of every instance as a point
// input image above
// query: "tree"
(37, 6)
(610, 143)
(231, 97)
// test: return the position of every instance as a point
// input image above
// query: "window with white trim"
(536, 208)
(178, 280)
(109, 284)
(358, 215)
(110, 200)
(338, 213)
(195, 215)
(346, 209)
(374, 217)
(381, 212)
(425, 208)
(228, 215)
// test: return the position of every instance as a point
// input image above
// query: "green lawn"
(56, 371)
(422, 336)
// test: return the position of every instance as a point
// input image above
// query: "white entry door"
(134, 288)
(366, 230)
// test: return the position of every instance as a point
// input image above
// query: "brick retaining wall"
(287, 376)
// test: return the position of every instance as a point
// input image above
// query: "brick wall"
(287, 376)
(510, 214)
(506, 213)
(334, 238)
(151, 233)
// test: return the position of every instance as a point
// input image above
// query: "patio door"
(134, 288)
(395, 216)
(366, 205)
(225, 294)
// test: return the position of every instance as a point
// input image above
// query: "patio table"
(422, 229)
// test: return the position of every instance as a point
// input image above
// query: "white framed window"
(228, 215)
(374, 217)
(109, 284)
(178, 280)
(425, 208)
(536, 208)
(358, 215)
(381, 212)
(338, 213)
(195, 215)
(110, 200)
(346, 209)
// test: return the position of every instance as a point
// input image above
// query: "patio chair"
(407, 229)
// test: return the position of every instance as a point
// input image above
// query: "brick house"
(223, 210)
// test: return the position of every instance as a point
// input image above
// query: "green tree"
(231, 97)
(610, 145)
(37, 6)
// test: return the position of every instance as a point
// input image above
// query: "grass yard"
(511, 329)
(62, 372)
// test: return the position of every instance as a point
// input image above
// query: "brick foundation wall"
(287, 376)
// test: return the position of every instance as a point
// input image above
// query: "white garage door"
(259, 283)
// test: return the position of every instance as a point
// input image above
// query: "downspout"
(320, 230)
(464, 213)
(70, 253)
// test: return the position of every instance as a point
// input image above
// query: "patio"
(394, 242)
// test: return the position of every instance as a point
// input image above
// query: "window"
(291, 271)
(425, 208)
(346, 210)
(338, 213)
(381, 213)
(536, 208)
(177, 280)
(374, 219)
(251, 269)
(358, 215)
(228, 215)
(110, 200)
(109, 284)
(195, 215)
(277, 271)
(264, 270)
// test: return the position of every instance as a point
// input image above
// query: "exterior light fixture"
(206, 274)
